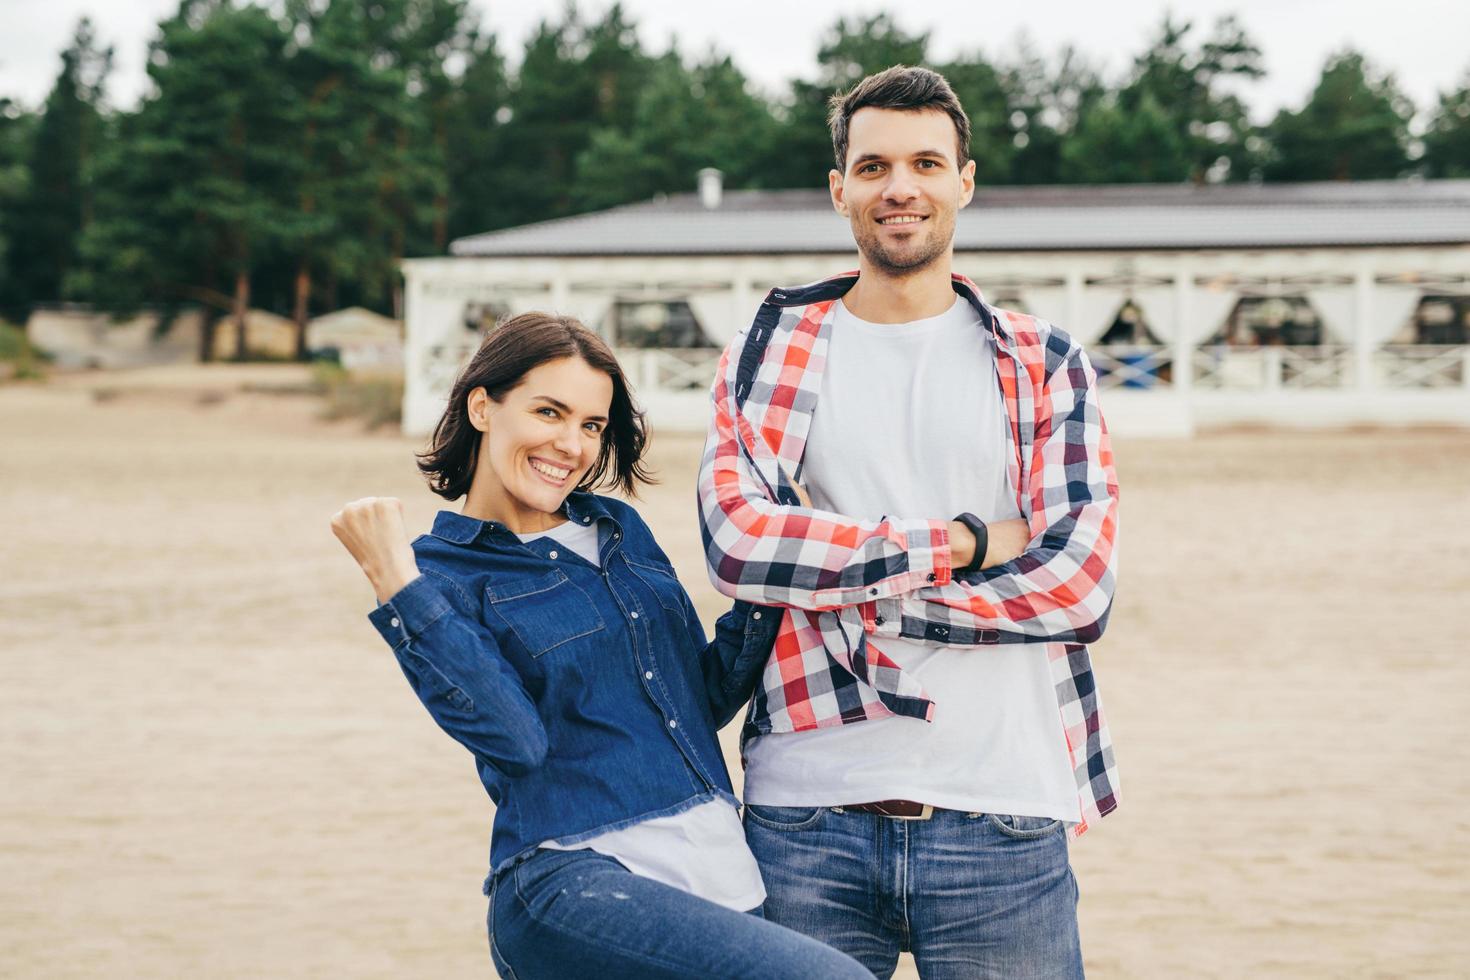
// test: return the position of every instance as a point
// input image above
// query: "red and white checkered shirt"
(848, 583)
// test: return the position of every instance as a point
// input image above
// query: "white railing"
(1273, 368)
(1422, 366)
(1132, 366)
(670, 368)
(1218, 368)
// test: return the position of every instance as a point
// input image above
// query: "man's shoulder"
(1036, 340)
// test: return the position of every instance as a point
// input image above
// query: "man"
(925, 482)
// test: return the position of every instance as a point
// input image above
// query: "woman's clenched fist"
(372, 531)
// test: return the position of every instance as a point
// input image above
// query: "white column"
(561, 293)
(1074, 300)
(1362, 327)
(742, 295)
(1183, 373)
(1271, 368)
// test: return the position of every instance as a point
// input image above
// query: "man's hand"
(372, 531)
(1007, 539)
(961, 545)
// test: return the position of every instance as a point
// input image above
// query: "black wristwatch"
(982, 540)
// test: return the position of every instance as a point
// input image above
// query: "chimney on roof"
(711, 188)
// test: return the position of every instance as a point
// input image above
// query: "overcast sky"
(1423, 42)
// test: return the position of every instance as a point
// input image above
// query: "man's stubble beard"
(879, 257)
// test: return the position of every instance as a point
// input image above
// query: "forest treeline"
(288, 156)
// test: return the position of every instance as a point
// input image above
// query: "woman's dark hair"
(510, 350)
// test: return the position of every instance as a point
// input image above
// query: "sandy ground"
(212, 767)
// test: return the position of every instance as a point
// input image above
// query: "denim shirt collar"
(580, 506)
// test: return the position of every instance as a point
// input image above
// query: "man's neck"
(883, 297)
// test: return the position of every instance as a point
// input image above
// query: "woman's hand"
(372, 530)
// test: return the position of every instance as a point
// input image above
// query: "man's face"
(902, 187)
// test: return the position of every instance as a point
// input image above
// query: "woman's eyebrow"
(566, 409)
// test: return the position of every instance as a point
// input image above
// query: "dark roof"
(1009, 219)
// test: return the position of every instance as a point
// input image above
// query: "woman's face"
(538, 443)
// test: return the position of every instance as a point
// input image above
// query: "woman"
(544, 630)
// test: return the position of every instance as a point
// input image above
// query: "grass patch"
(377, 399)
(18, 359)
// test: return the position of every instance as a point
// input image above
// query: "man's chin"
(904, 264)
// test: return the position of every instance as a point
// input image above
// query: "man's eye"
(868, 168)
(546, 411)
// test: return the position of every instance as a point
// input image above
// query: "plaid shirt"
(847, 583)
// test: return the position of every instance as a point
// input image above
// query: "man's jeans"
(969, 894)
(563, 914)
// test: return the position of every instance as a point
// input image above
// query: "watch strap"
(982, 540)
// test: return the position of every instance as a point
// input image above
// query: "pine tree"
(57, 203)
(1447, 141)
(201, 185)
(1355, 126)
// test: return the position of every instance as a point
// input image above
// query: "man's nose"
(901, 188)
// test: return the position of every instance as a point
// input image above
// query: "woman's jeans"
(561, 914)
(970, 895)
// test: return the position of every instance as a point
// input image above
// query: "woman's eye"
(546, 411)
(594, 428)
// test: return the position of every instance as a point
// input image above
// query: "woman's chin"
(544, 500)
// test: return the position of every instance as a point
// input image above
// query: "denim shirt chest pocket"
(661, 581)
(544, 611)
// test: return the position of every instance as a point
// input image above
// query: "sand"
(212, 765)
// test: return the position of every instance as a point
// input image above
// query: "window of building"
(644, 324)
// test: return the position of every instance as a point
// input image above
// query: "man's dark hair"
(509, 351)
(899, 87)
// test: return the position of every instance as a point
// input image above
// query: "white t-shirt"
(910, 421)
(701, 851)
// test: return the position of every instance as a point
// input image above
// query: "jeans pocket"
(1023, 828)
(784, 817)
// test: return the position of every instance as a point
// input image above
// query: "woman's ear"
(477, 407)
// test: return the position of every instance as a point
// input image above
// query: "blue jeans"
(561, 914)
(969, 894)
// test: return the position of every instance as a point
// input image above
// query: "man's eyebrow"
(868, 157)
(566, 409)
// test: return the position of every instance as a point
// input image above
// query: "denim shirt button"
(673, 723)
(551, 555)
(756, 614)
(393, 622)
(648, 675)
(634, 615)
(587, 519)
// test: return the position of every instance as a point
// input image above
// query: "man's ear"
(477, 407)
(834, 187)
(967, 182)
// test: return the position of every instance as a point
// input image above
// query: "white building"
(1303, 305)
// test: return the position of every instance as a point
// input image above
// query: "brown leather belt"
(899, 809)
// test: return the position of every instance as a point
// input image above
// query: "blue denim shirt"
(589, 696)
